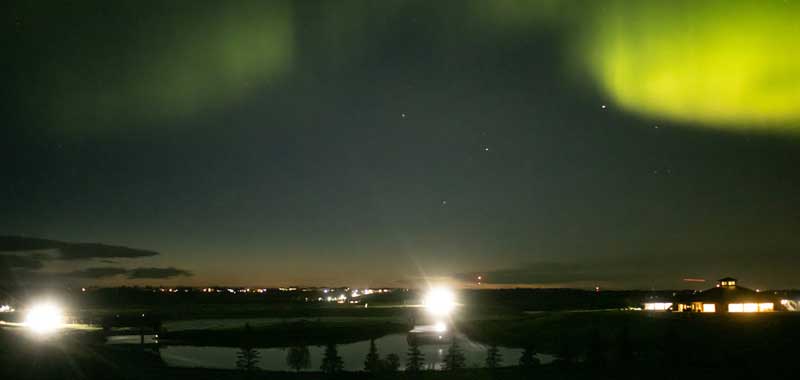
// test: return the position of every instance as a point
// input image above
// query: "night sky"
(389, 143)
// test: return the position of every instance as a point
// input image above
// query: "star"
(403, 115)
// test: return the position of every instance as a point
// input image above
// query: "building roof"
(735, 294)
(727, 279)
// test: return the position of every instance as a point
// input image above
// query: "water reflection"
(131, 339)
(353, 354)
(275, 359)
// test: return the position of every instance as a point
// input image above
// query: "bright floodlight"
(44, 318)
(440, 301)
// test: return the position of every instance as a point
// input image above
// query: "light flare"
(440, 301)
(44, 318)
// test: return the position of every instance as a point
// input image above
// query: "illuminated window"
(735, 307)
(657, 306)
(750, 307)
(709, 308)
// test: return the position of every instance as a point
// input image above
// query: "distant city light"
(440, 301)
(6, 309)
(44, 318)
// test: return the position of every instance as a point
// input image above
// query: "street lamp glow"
(44, 318)
(440, 301)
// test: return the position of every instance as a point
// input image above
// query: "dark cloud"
(95, 273)
(156, 273)
(20, 262)
(70, 251)
(15, 267)
(95, 250)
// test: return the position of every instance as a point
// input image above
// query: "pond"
(353, 354)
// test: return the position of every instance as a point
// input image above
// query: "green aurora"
(720, 63)
(723, 64)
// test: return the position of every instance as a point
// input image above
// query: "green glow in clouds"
(722, 63)
(179, 60)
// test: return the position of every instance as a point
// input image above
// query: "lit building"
(657, 306)
(658, 303)
(727, 297)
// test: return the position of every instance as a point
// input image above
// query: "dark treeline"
(559, 299)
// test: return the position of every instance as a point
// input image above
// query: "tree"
(625, 355)
(598, 349)
(493, 357)
(566, 355)
(331, 362)
(454, 360)
(415, 359)
(528, 358)
(672, 347)
(373, 361)
(247, 357)
(392, 363)
(298, 358)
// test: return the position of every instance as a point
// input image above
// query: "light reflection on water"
(131, 339)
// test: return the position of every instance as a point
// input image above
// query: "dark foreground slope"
(598, 345)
